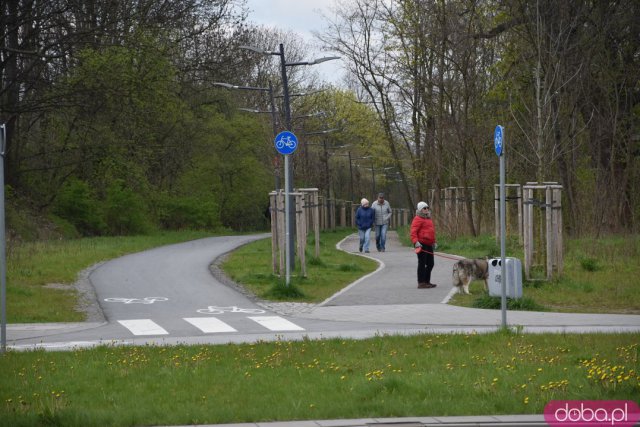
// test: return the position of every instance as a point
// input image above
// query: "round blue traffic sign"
(285, 142)
(497, 140)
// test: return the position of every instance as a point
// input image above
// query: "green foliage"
(349, 267)
(125, 211)
(495, 303)
(590, 264)
(316, 261)
(76, 203)
(281, 292)
(176, 213)
(229, 169)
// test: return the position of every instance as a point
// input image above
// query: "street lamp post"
(290, 215)
(373, 174)
(326, 163)
(348, 155)
(3, 254)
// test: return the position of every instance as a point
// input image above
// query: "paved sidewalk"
(390, 295)
(485, 420)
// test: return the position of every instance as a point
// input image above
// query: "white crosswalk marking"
(276, 323)
(209, 325)
(143, 327)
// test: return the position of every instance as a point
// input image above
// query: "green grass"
(600, 275)
(32, 266)
(391, 376)
(250, 266)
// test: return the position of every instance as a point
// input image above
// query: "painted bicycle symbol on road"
(146, 300)
(212, 309)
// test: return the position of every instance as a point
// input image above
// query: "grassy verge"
(38, 271)
(600, 276)
(250, 266)
(427, 375)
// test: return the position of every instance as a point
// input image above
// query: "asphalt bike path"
(168, 295)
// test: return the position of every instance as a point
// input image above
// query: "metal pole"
(373, 178)
(503, 227)
(350, 176)
(3, 257)
(327, 181)
(290, 216)
(287, 221)
(274, 123)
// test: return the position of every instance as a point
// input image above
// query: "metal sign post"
(3, 255)
(286, 143)
(498, 142)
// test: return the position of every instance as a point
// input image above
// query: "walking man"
(382, 211)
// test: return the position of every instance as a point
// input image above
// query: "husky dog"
(467, 270)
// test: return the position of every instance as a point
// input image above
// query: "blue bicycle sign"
(285, 142)
(498, 142)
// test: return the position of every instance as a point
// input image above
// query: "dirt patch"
(87, 298)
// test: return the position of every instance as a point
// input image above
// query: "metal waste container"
(513, 270)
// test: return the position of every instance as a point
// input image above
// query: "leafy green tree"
(77, 204)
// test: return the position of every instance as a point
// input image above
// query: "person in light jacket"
(382, 210)
(364, 222)
(423, 237)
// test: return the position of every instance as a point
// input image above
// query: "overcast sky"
(302, 17)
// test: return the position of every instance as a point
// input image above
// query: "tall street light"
(326, 162)
(350, 173)
(373, 174)
(274, 120)
(287, 114)
(3, 249)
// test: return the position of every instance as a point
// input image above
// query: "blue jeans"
(381, 236)
(364, 239)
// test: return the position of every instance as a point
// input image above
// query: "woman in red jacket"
(423, 237)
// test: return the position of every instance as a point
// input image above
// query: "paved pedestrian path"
(395, 281)
(390, 295)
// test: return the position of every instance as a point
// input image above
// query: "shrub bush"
(495, 303)
(186, 213)
(125, 212)
(77, 204)
(589, 264)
